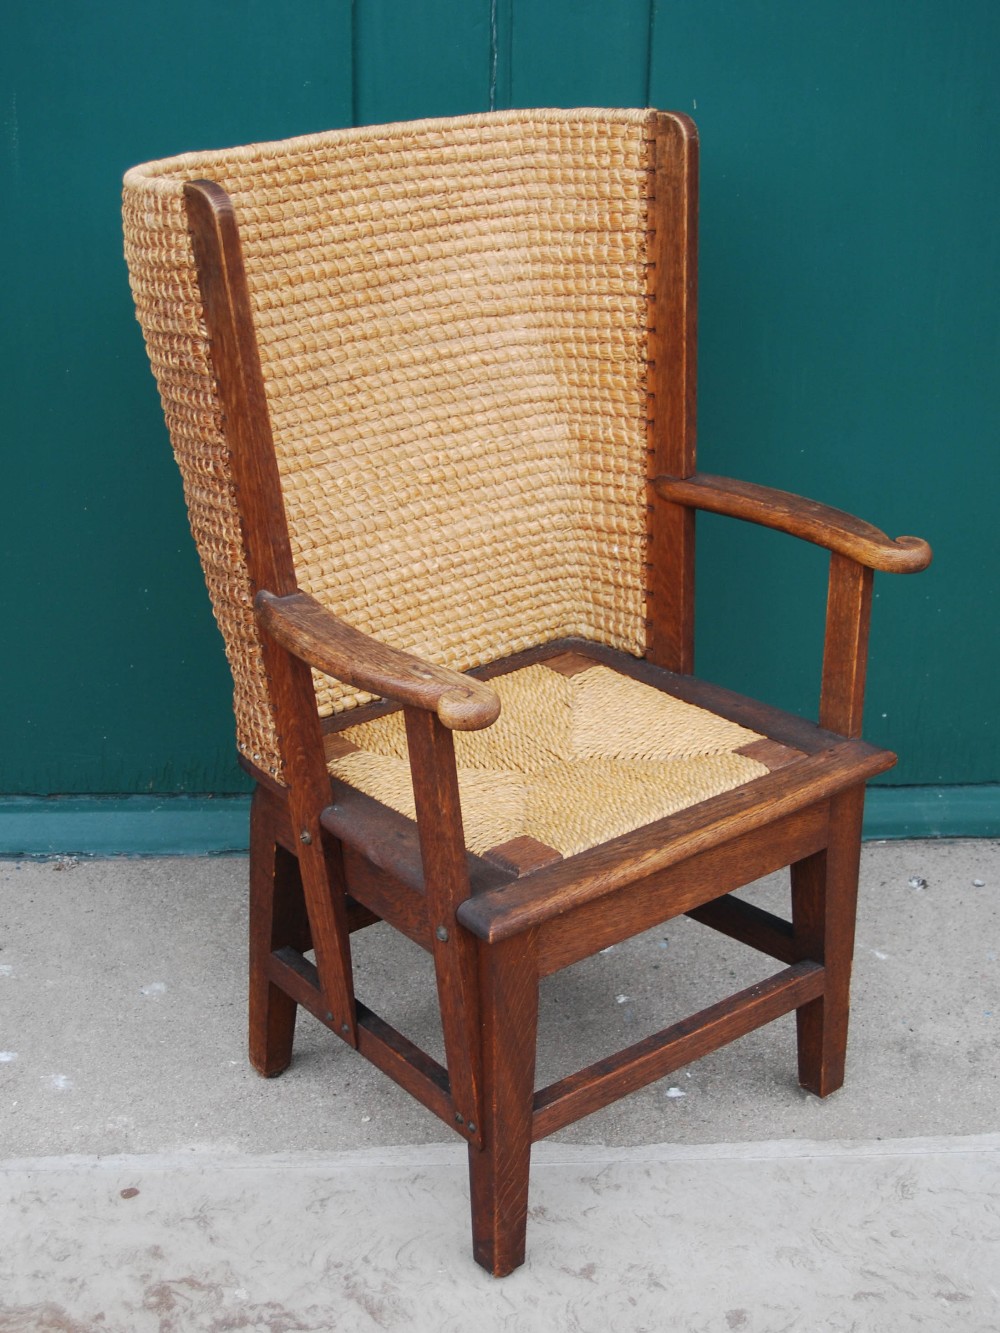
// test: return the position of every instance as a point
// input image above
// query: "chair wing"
(451, 319)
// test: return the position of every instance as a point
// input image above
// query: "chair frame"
(327, 860)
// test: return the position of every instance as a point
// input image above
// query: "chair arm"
(306, 629)
(818, 523)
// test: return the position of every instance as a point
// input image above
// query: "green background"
(848, 344)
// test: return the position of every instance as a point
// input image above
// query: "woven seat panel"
(571, 762)
(452, 325)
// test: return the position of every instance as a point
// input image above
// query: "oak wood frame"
(671, 383)
(327, 860)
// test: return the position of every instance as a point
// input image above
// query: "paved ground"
(150, 1181)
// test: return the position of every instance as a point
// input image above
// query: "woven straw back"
(452, 326)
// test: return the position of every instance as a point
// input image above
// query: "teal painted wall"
(848, 331)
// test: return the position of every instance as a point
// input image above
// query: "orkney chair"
(431, 389)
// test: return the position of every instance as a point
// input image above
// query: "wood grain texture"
(497, 914)
(772, 754)
(316, 636)
(671, 384)
(273, 798)
(523, 855)
(608, 919)
(273, 801)
(413, 1069)
(393, 901)
(391, 841)
(569, 664)
(606, 1080)
(336, 746)
(824, 910)
(750, 925)
(236, 363)
(845, 650)
(498, 1172)
(446, 885)
(277, 918)
(813, 522)
(406, 1064)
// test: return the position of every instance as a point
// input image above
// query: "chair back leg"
(277, 919)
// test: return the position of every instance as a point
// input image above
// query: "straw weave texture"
(571, 761)
(452, 326)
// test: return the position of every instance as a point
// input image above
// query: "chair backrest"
(452, 324)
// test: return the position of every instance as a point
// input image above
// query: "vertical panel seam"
(501, 53)
(650, 34)
(354, 61)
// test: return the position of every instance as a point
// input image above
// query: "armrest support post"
(856, 550)
(431, 748)
(845, 649)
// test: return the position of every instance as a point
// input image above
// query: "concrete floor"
(150, 1181)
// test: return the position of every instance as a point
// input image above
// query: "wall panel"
(579, 53)
(428, 58)
(849, 336)
(115, 681)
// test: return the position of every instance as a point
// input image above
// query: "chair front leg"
(824, 911)
(498, 1172)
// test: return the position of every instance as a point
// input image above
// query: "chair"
(431, 388)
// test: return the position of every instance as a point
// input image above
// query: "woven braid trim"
(452, 325)
(571, 761)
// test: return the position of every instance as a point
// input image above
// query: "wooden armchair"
(431, 388)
